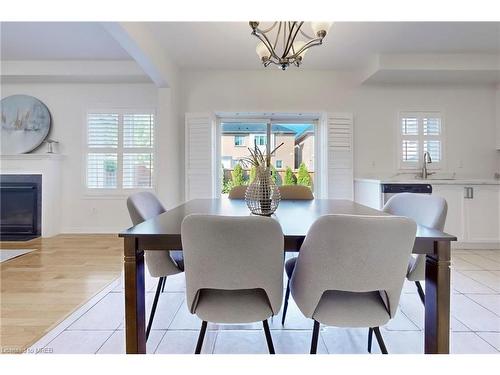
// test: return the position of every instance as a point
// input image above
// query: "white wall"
(68, 104)
(469, 111)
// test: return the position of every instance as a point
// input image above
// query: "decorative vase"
(262, 195)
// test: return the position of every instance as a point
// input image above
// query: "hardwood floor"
(42, 288)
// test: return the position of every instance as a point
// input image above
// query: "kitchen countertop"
(405, 179)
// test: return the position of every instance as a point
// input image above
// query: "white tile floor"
(475, 323)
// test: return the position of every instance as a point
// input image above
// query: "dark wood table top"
(294, 216)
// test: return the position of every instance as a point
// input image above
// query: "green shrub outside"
(303, 177)
(290, 178)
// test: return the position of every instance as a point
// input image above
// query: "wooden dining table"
(163, 233)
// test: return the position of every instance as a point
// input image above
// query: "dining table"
(163, 233)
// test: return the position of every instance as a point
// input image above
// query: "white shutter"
(102, 155)
(340, 156)
(138, 151)
(200, 144)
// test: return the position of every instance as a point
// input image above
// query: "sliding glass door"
(292, 163)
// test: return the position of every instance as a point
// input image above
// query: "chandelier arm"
(285, 24)
(294, 36)
(277, 36)
(269, 28)
(311, 43)
(267, 43)
(285, 43)
(306, 35)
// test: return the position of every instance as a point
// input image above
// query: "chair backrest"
(427, 210)
(353, 254)
(237, 192)
(143, 206)
(295, 192)
(232, 253)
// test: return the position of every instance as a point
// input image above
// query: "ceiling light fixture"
(287, 49)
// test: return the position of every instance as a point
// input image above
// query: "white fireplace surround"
(48, 165)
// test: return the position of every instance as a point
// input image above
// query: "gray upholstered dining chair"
(350, 271)
(426, 210)
(237, 192)
(299, 192)
(141, 207)
(233, 270)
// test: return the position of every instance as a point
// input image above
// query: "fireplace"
(21, 206)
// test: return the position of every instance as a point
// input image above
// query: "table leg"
(135, 317)
(437, 300)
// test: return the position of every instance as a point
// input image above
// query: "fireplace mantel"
(50, 167)
(32, 157)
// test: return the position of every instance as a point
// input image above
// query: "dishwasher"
(388, 190)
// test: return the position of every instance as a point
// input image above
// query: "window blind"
(102, 130)
(420, 132)
(120, 150)
(102, 170)
(138, 130)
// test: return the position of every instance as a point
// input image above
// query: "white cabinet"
(473, 213)
(482, 209)
(454, 196)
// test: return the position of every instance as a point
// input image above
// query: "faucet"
(427, 160)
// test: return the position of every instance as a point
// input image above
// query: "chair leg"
(163, 286)
(315, 337)
(380, 340)
(201, 337)
(370, 338)
(155, 302)
(285, 306)
(269, 339)
(421, 293)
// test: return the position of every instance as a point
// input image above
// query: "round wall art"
(25, 124)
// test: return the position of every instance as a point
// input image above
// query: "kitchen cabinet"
(454, 196)
(473, 213)
(482, 208)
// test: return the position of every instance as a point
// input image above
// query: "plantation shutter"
(340, 156)
(200, 144)
(138, 154)
(102, 156)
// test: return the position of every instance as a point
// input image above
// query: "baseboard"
(475, 245)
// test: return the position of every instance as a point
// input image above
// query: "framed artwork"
(26, 123)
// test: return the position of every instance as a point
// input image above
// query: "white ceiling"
(349, 45)
(229, 45)
(58, 41)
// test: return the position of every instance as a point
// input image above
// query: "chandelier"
(279, 44)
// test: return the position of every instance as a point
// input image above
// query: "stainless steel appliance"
(388, 190)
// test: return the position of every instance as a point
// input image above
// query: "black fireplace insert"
(20, 206)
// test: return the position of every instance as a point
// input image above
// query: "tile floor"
(475, 323)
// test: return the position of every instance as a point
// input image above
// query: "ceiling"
(58, 41)
(229, 45)
(349, 45)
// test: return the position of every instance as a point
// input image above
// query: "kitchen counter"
(432, 181)
(473, 203)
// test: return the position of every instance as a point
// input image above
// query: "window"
(420, 132)
(120, 150)
(260, 140)
(239, 140)
(297, 140)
